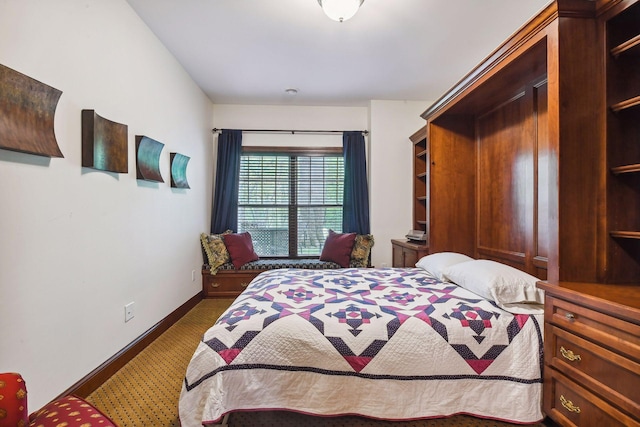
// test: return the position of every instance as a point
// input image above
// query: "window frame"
(293, 151)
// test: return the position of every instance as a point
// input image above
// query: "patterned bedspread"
(384, 343)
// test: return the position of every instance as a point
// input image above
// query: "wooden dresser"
(592, 354)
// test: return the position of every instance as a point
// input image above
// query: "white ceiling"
(250, 51)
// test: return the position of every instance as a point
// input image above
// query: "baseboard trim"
(85, 386)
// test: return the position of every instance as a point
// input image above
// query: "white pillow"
(434, 264)
(511, 289)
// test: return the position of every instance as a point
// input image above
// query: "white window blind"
(289, 201)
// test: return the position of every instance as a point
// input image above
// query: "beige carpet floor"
(145, 391)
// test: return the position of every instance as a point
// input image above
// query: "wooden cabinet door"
(410, 257)
(406, 254)
(398, 256)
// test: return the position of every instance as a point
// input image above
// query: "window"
(288, 201)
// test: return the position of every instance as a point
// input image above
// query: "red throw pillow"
(240, 248)
(13, 400)
(70, 411)
(337, 248)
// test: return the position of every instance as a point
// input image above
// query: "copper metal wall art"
(104, 143)
(179, 170)
(148, 158)
(27, 110)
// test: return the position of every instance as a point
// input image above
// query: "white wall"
(389, 151)
(391, 166)
(77, 244)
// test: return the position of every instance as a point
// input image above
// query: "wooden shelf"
(626, 169)
(622, 89)
(626, 46)
(420, 174)
(629, 103)
(626, 234)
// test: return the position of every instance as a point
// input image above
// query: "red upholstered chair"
(13, 400)
(67, 411)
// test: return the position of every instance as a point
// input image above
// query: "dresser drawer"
(572, 405)
(613, 333)
(612, 376)
(226, 283)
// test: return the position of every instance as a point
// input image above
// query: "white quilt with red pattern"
(391, 343)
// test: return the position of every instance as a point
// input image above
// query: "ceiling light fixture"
(340, 10)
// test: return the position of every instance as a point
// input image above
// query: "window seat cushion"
(216, 256)
(272, 264)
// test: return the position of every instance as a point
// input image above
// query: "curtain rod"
(292, 131)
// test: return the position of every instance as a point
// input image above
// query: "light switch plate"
(129, 311)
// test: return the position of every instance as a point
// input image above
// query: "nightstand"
(407, 253)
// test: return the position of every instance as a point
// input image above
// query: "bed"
(390, 343)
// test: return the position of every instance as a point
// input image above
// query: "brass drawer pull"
(215, 285)
(244, 285)
(569, 355)
(570, 316)
(568, 405)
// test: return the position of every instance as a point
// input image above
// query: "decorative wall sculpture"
(148, 158)
(27, 110)
(104, 143)
(179, 170)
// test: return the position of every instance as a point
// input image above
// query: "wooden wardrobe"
(533, 160)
